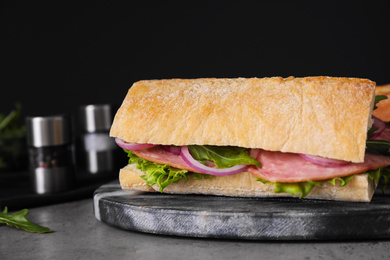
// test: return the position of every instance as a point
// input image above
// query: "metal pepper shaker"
(51, 153)
(97, 147)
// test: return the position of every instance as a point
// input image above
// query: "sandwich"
(311, 137)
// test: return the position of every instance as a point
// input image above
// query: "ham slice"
(289, 167)
(159, 155)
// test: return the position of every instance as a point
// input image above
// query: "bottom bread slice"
(360, 189)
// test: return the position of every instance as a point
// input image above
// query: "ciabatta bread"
(321, 116)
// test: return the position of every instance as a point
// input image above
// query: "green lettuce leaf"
(343, 180)
(223, 157)
(163, 175)
(303, 188)
(200, 176)
(19, 220)
(377, 175)
(160, 174)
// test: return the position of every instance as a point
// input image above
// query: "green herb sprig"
(10, 125)
(19, 220)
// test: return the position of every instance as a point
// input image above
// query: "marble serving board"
(242, 218)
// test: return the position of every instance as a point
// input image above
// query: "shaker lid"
(94, 118)
(49, 130)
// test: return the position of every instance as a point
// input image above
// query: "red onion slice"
(172, 149)
(132, 146)
(323, 161)
(381, 126)
(187, 157)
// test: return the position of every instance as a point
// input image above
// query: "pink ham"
(288, 167)
(158, 155)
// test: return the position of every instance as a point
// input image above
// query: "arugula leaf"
(160, 174)
(375, 174)
(379, 98)
(223, 157)
(19, 220)
(386, 179)
(371, 131)
(10, 126)
(10, 120)
(381, 146)
(12, 144)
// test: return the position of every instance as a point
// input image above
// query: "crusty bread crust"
(359, 189)
(322, 116)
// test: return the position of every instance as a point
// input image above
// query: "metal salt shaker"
(98, 148)
(51, 153)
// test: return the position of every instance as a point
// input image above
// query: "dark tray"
(242, 218)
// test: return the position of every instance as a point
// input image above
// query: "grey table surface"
(79, 235)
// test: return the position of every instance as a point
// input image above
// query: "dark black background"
(57, 55)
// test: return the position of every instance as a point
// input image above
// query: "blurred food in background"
(383, 107)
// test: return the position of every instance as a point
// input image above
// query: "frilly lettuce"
(304, 188)
(160, 174)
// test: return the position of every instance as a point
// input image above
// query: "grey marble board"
(242, 218)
